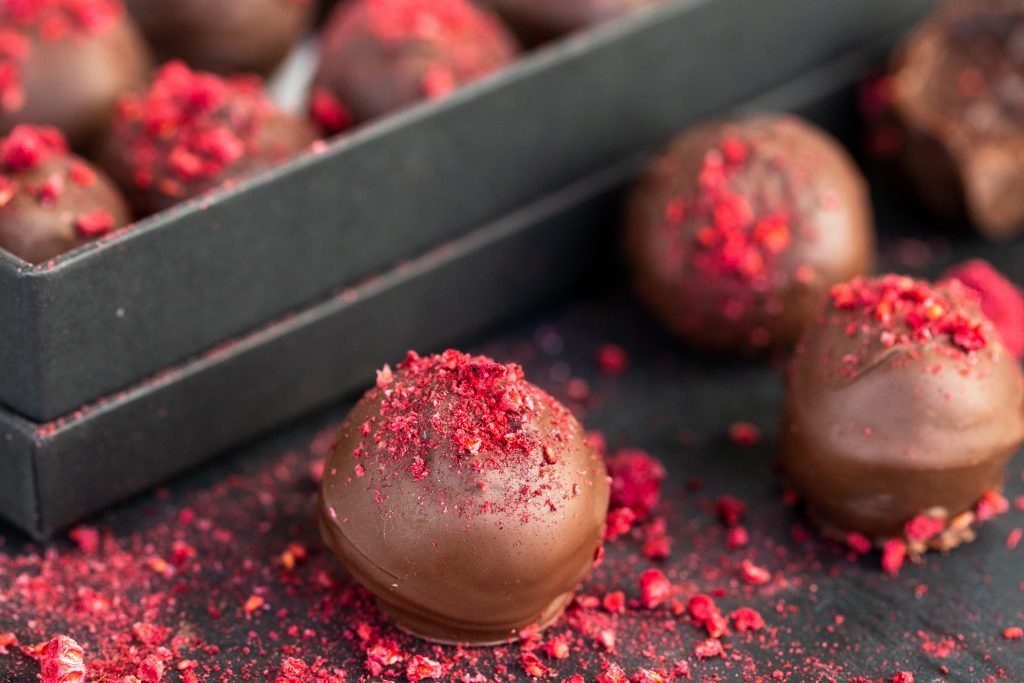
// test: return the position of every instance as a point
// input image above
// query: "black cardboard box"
(104, 316)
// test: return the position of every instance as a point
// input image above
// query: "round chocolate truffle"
(465, 498)
(738, 230)
(957, 94)
(382, 55)
(902, 408)
(50, 200)
(224, 37)
(537, 21)
(65, 62)
(193, 131)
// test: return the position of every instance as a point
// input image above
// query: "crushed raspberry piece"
(329, 112)
(706, 649)
(730, 510)
(254, 603)
(86, 538)
(903, 677)
(1014, 537)
(421, 668)
(754, 574)
(82, 175)
(744, 434)
(532, 666)
(95, 223)
(151, 670)
(746, 619)
(615, 602)
(737, 537)
(26, 147)
(923, 528)
(1013, 633)
(63, 661)
(894, 554)
(612, 360)
(655, 588)
(991, 505)
(647, 676)
(1001, 300)
(858, 543)
(637, 477)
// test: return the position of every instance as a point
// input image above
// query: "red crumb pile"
(27, 151)
(740, 229)
(22, 21)
(195, 125)
(471, 406)
(899, 310)
(1001, 300)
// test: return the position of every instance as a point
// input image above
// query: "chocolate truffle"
(382, 55)
(50, 200)
(64, 62)
(193, 131)
(537, 21)
(902, 408)
(957, 93)
(224, 37)
(465, 498)
(735, 233)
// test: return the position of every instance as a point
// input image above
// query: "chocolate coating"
(901, 402)
(466, 499)
(738, 229)
(67, 68)
(224, 37)
(957, 93)
(192, 132)
(50, 200)
(537, 21)
(382, 55)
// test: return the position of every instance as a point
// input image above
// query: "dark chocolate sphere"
(466, 499)
(537, 21)
(902, 408)
(50, 200)
(224, 36)
(193, 131)
(739, 228)
(64, 63)
(382, 55)
(957, 94)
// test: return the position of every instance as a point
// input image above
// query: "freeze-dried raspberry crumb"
(95, 223)
(647, 676)
(992, 504)
(744, 434)
(618, 523)
(612, 673)
(903, 677)
(894, 554)
(532, 666)
(754, 574)
(747, 619)
(27, 147)
(63, 661)
(858, 543)
(655, 588)
(151, 670)
(1001, 300)
(612, 360)
(329, 112)
(86, 538)
(421, 668)
(923, 528)
(637, 477)
(709, 648)
(1013, 633)
(730, 510)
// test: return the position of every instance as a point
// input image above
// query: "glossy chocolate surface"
(901, 402)
(466, 499)
(382, 55)
(50, 200)
(231, 37)
(739, 228)
(957, 91)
